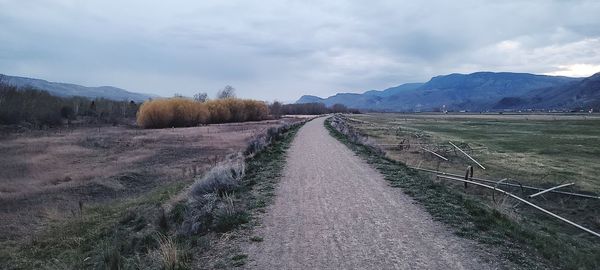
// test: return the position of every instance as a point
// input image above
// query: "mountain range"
(581, 94)
(478, 91)
(68, 89)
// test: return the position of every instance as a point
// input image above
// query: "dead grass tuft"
(169, 253)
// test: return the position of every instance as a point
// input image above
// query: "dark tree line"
(277, 109)
(40, 108)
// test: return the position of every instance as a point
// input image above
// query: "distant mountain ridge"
(309, 99)
(68, 90)
(582, 94)
(476, 91)
(366, 100)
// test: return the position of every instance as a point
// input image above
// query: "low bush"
(210, 205)
(261, 141)
(223, 178)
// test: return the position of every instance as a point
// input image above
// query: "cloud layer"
(281, 49)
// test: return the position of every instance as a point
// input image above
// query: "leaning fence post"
(468, 172)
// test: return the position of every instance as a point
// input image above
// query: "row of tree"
(184, 112)
(39, 108)
(278, 109)
(29, 105)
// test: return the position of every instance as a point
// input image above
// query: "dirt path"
(333, 211)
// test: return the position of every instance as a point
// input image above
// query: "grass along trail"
(333, 211)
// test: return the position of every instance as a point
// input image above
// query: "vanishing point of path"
(333, 211)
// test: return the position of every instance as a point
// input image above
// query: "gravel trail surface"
(333, 211)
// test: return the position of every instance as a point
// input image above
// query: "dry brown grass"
(169, 253)
(45, 174)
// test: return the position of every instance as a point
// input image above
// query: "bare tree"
(276, 109)
(201, 97)
(339, 108)
(227, 92)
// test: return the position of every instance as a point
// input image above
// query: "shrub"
(155, 114)
(255, 110)
(220, 179)
(183, 112)
(219, 112)
(210, 206)
(174, 112)
(188, 113)
(261, 141)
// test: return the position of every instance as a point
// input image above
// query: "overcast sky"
(270, 49)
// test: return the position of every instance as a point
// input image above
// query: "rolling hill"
(67, 89)
(475, 91)
(367, 100)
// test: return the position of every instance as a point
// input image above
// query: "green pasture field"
(536, 149)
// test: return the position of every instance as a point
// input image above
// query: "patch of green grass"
(526, 244)
(263, 172)
(178, 212)
(239, 260)
(102, 236)
(256, 239)
(228, 221)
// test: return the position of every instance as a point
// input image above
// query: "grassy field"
(538, 149)
(94, 197)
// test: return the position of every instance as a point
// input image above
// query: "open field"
(49, 175)
(520, 233)
(542, 153)
(537, 149)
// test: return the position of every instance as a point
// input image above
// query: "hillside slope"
(582, 94)
(367, 100)
(67, 89)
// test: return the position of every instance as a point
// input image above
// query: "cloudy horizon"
(284, 49)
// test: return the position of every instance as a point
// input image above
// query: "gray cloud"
(281, 49)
